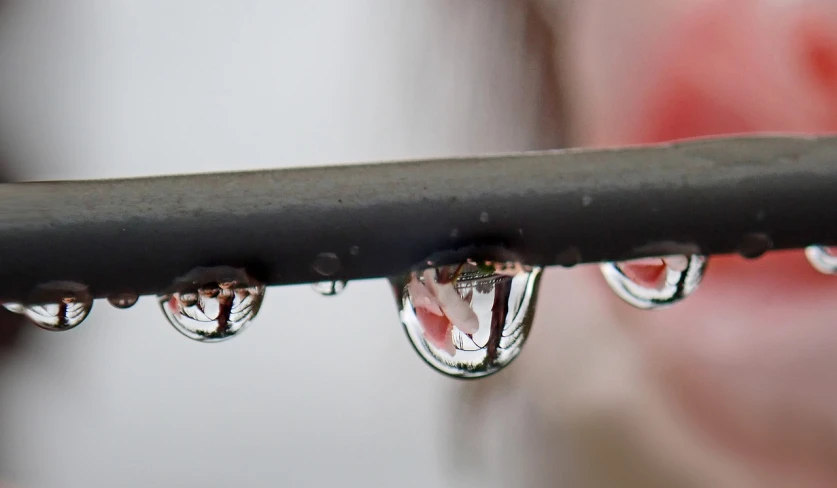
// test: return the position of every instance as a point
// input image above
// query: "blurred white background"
(320, 391)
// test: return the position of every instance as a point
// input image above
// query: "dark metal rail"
(560, 207)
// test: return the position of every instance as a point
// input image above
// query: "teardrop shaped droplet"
(56, 306)
(468, 320)
(655, 283)
(213, 304)
(822, 258)
(123, 300)
(329, 288)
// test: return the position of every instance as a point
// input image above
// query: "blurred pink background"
(732, 388)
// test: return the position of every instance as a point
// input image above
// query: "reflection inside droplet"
(468, 320)
(329, 288)
(822, 258)
(655, 283)
(123, 300)
(56, 306)
(14, 307)
(213, 304)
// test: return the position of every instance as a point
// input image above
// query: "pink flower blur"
(439, 308)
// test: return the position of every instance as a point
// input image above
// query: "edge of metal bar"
(711, 196)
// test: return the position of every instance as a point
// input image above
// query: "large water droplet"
(123, 300)
(470, 320)
(213, 304)
(329, 288)
(822, 258)
(56, 306)
(655, 283)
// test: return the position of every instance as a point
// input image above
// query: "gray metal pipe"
(715, 196)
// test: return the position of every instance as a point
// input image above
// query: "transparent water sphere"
(822, 258)
(213, 304)
(56, 306)
(123, 300)
(655, 283)
(468, 320)
(329, 288)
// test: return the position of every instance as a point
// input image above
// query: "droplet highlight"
(655, 283)
(123, 300)
(56, 306)
(213, 304)
(329, 288)
(468, 320)
(822, 258)
(14, 307)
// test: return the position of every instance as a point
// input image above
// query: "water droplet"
(14, 307)
(655, 283)
(586, 200)
(468, 320)
(822, 258)
(213, 304)
(754, 245)
(56, 306)
(568, 258)
(484, 217)
(329, 288)
(354, 250)
(454, 233)
(123, 300)
(326, 263)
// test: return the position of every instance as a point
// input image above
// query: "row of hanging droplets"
(466, 320)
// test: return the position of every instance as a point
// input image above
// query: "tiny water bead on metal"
(56, 306)
(329, 288)
(822, 258)
(123, 300)
(655, 283)
(213, 304)
(468, 320)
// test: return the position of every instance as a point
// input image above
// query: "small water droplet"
(56, 306)
(655, 283)
(454, 233)
(568, 258)
(484, 217)
(329, 288)
(822, 258)
(354, 250)
(123, 300)
(754, 245)
(213, 304)
(468, 320)
(326, 263)
(586, 200)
